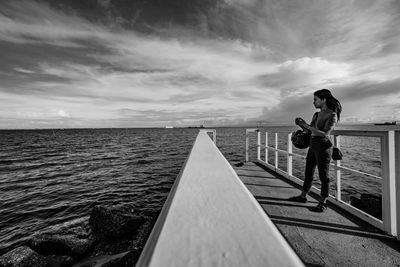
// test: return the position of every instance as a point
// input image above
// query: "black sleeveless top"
(324, 121)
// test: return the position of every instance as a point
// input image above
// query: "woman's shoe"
(321, 207)
(298, 199)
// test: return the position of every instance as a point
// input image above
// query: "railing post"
(338, 172)
(247, 145)
(276, 151)
(214, 136)
(397, 173)
(259, 145)
(289, 158)
(388, 183)
(266, 147)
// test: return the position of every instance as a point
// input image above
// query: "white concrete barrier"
(211, 219)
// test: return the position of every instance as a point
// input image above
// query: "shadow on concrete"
(313, 265)
(247, 169)
(289, 204)
(268, 185)
(325, 224)
(361, 229)
(281, 199)
(257, 176)
(340, 229)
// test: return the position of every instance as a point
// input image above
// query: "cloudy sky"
(150, 63)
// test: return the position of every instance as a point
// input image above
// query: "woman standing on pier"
(319, 153)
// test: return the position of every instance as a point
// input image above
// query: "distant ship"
(169, 127)
(201, 126)
(387, 123)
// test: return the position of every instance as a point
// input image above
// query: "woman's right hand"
(299, 121)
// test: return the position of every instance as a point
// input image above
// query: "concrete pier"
(332, 238)
(217, 215)
(211, 219)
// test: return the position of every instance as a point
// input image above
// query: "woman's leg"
(323, 161)
(311, 163)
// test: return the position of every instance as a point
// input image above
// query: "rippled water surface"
(51, 177)
(48, 177)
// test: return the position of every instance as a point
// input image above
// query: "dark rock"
(21, 257)
(126, 260)
(79, 228)
(58, 261)
(25, 256)
(368, 203)
(114, 222)
(123, 259)
(48, 244)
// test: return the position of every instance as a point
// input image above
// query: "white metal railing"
(214, 134)
(390, 156)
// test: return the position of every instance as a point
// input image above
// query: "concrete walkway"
(332, 238)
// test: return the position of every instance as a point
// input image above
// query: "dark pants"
(319, 154)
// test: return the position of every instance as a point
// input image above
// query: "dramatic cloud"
(150, 63)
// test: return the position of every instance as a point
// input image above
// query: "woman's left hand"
(299, 121)
(304, 125)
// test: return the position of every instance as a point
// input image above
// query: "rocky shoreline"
(111, 236)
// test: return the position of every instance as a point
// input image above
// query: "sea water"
(53, 177)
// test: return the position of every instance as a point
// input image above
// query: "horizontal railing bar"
(355, 171)
(359, 133)
(282, 151)
(273, 148)
(333, 165)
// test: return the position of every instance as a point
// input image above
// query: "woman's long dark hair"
(331, 102)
